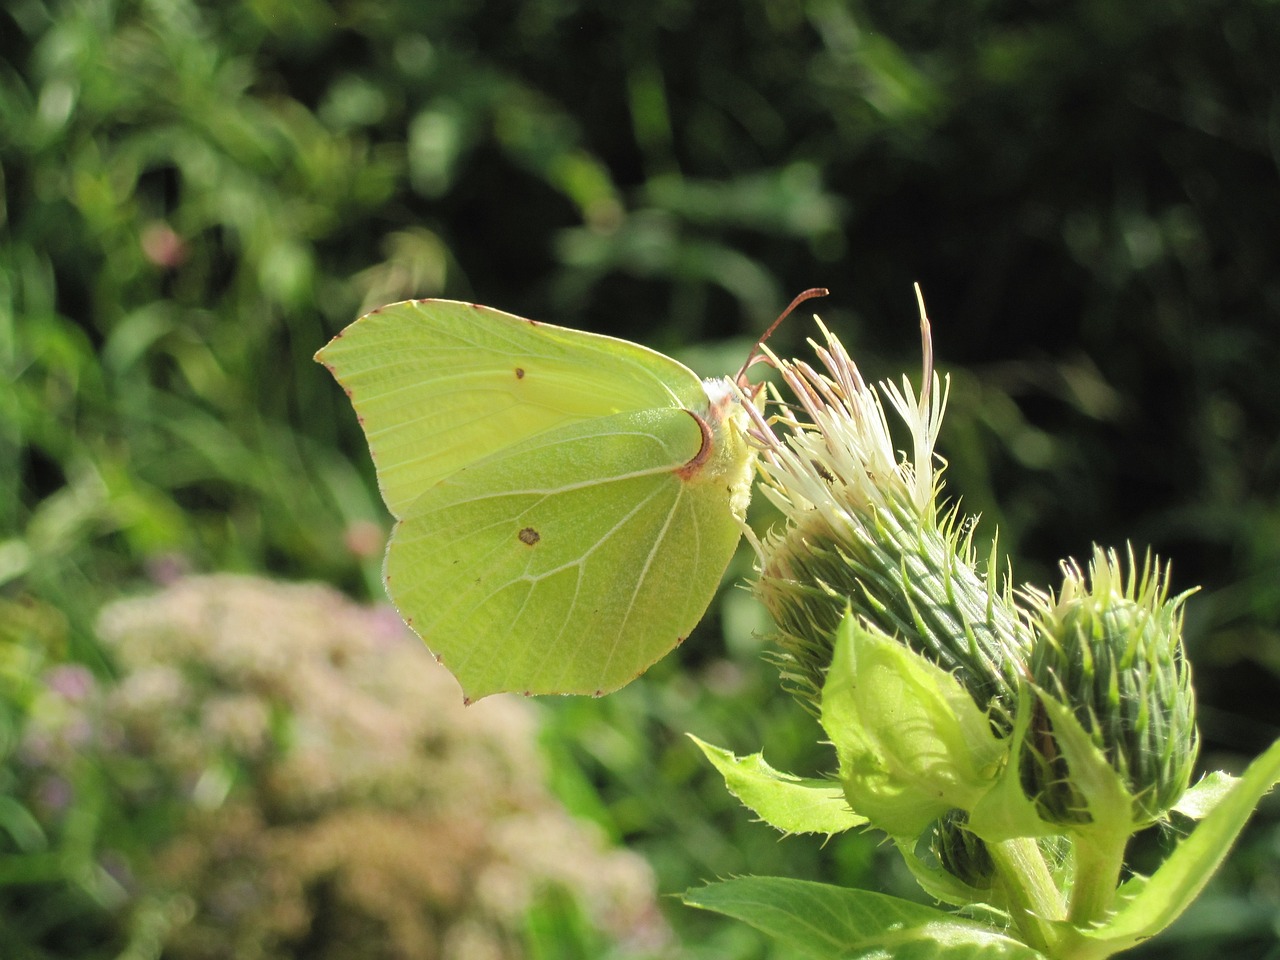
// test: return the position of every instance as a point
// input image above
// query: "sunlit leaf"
(836, 923)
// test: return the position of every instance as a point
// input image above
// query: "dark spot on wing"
(529, 536)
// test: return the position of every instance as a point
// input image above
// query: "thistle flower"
(1023, 738)
(864, 531)
(1109, 654)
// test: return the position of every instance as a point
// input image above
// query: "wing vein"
(644, 576)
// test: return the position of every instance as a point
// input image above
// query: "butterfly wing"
(439, 384)
(568, 562)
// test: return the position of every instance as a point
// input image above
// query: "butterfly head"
(728, 455)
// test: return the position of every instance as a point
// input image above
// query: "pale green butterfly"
(566, 503)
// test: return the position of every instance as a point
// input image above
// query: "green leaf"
(1005, 812)
(836, 923)
(937, 882)
(785, 802)
(1110, 805)
(912, 744)
(1170, 890)
(24, 830)
(1203, 797)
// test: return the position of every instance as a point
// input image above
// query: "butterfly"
(565, 503)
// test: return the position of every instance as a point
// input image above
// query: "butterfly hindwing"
(568, 562)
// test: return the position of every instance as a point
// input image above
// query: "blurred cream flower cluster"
(327, 790)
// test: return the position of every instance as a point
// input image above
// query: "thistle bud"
(864, 532)
(1109, 654)
(960, 852)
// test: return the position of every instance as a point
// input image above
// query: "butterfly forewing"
(439, 384)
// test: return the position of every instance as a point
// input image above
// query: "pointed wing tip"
(473, 695)
(469, 697)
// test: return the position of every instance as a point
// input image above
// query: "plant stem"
(1033, 898)
(1097, 874)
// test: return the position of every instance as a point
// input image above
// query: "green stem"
(1098, 863)
(1033, 898)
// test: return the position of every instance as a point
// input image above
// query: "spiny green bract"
(911, 577)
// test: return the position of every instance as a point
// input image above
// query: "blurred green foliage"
(194, 196)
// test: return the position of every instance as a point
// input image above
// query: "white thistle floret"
(844, 440)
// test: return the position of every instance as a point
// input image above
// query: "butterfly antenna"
(755, 351)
